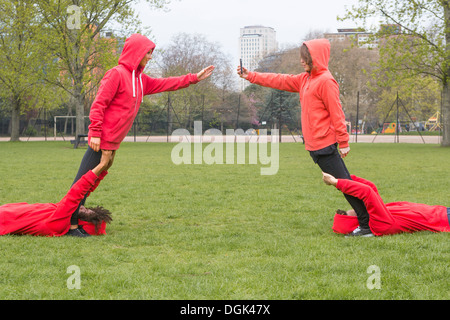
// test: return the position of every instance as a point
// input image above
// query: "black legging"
(330, 161)
(90, 160)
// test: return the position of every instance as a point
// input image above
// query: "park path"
(285, 138)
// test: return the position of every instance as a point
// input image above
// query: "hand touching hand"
(106, 161)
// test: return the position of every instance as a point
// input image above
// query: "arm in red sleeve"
(285, 82)
(59, 221)
(108, 89)
(97, 182)
(361, 191)
(157, 85)
(364, 181)
(381, 219)
(331, 100)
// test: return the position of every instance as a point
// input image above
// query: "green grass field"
(223, 231)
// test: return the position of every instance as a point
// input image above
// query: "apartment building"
(255, 42)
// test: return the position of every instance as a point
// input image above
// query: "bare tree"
(352, 67)
(189, 53)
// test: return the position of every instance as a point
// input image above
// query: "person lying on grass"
(53, 219)
(386, 218)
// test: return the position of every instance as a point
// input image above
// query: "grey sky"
(220, 20)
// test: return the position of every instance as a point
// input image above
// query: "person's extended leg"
(330, 161)
(90, 160)
(448, 215)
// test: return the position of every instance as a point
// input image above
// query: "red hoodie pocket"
(120, 129)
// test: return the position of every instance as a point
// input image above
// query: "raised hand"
(205, 73)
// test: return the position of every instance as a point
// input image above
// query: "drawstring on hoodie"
(133, 79)
(134, 86)
(142, 87)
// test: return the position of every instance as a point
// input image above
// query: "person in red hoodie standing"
(323, 121)
(386, 218)
(53, 219)
(117, 102)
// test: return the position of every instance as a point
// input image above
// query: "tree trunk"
(78, 96)
(15, 120)
(169, 116)
(446, 88)
(446, 116)
(79, 110)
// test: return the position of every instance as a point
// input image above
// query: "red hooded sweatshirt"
(390, 218)
(122, 90)
(323, 121)
(49, 219)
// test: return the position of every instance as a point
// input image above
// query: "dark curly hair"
(100, 214)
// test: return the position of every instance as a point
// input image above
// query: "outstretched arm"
(329, 179)
(102, 170)
(157, 85)
(365, 181)
(286, 82)
(205, 73)
(379, 213)
(106, 162)
(59, 221)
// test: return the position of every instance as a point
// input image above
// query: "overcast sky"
(220, 20)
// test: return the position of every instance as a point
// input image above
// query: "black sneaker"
(83, 231)
(77, 233)
(360, 232)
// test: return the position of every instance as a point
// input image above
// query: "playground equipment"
(396, 125)
(390, 127)
(434, 122)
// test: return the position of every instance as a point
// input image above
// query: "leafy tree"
(352, 67)
(75, 27)
(24, 60)
(280, 109)
(414, 41)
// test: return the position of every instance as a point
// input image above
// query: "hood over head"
(135, 48)
(344, 224)
(320, 54)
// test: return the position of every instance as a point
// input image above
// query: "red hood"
(320, 54)
(344, 224)
(134, 50)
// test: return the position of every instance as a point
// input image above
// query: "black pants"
(330, 161)
(90, 160)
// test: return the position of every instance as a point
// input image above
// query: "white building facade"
(362, 38)
(255, 42)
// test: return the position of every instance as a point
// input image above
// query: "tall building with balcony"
(255, 42)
